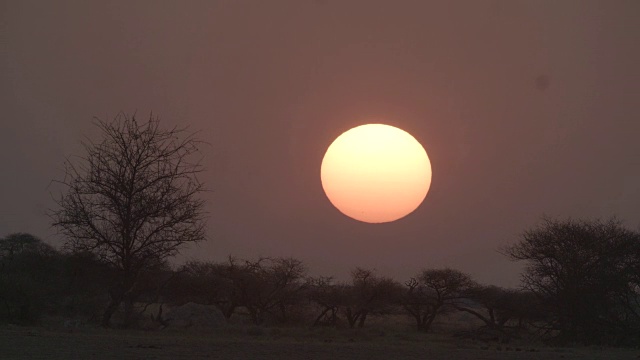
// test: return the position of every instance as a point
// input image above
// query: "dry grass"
(249, 342)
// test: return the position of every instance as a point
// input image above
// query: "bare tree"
(272, 287)
(433, 292)
(286, 286)
(329, 296)
(132, 199)
(369, 294)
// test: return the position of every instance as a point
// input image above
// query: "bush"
(28, 276)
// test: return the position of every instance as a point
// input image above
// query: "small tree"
(286, 286)
(368, 294)
(496, 305)
(329, 296)
(132, 200)
(504, 312)
(270, 286)
(432, 292)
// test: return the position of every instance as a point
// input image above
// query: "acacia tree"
(368, 294)
(503, 311)
(329, 296)
(433, 292)
(585, 273)
(263, 287)
(267, 286)
(286, 285)
(132, 200)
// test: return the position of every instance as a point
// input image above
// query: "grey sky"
(525, 108)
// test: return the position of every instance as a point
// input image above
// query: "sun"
(376, 173)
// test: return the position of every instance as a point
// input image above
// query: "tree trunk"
(254, 313)
(159, 317)
(352, 318)
(427, 321)
(489, 322)
(334, 316)
(228, 312)
(322, 314)
(128, 312)
(418, 321)
(363, 317)
(417, 315)
(283, 312)
(118, 294)
(109, 311)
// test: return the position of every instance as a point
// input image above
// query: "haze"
(525, 109)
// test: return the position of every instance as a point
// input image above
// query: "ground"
(260, 343)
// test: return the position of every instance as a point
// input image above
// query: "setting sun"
(376, 173)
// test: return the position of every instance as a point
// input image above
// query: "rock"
(194, 315)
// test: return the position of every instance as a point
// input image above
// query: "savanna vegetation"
(131, 203)
(579, 286)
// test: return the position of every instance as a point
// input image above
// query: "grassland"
(248, 342)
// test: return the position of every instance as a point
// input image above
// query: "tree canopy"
(586, 274)
(132, 199)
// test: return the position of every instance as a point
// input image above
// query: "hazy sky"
(524, 107)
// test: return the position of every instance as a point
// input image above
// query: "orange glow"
(376, 173)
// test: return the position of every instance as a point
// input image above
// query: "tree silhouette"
(132, 199)
(18, 243)
(368, 294)
(504, 312)
(585, 273)
(263, 287)
(329, 296)
(29, 273)
(432, 292)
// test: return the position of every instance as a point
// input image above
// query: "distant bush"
(37, 280)
(29, 276)
(267, 288)
(434, 292)
(82, 282)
